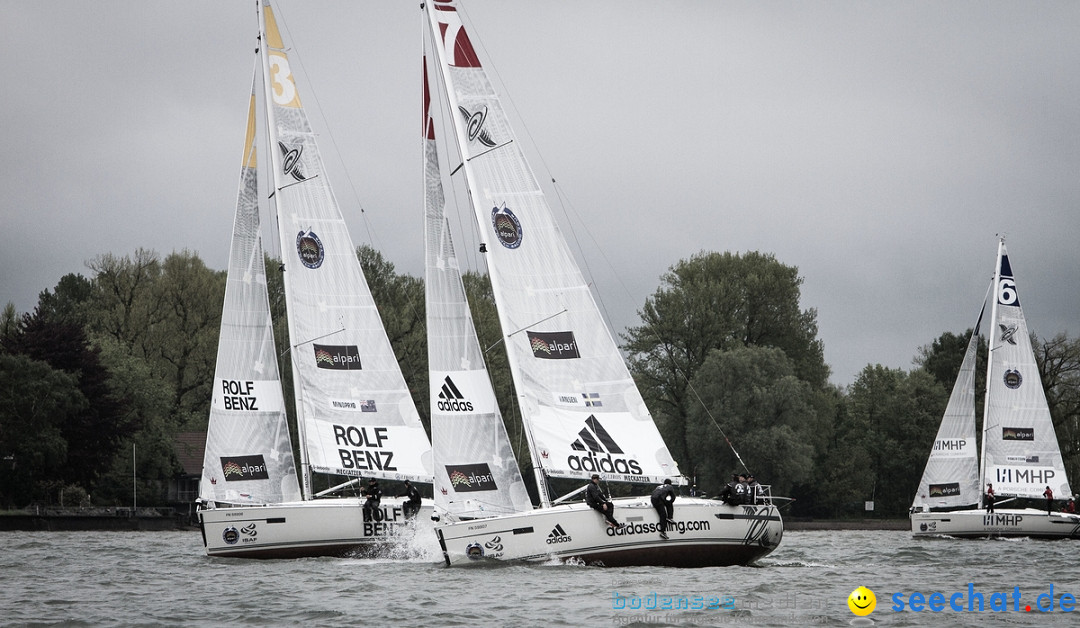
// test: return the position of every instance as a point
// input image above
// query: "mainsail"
(951, 477)
(582, 411)
(1021, 453)
(248, 453)
(476, 473)
(355, 414)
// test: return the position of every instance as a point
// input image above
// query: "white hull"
(706, 533)
(320, 527)
(1004, 522)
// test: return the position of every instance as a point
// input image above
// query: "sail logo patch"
(558, 535)
(945, 490)
(599, 447)
(556, 345)
(507, 227)
(1007, 333)
(1013, 379)
(338, 357)
(309, 249)
(1017, 433)
(290, 161)
(242, 468)
(451, 399)
(474, 126)
(469, 478)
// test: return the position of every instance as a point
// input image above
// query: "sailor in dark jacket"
(663, 499)
(598, 500)
(374, 495)
(412, 504)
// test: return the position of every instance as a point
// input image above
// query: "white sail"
(248, 453)
(476, 474)
(582, 411)
(1021, 452)
(355, 414)
(951, 477)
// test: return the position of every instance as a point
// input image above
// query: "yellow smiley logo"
(862, 601)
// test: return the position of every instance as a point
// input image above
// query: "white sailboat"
(580, 407)
(1020, 453)
(355, 416)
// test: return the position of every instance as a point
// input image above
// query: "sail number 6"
(1007, 292)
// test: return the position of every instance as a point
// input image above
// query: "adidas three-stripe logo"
(558, 535)
(451, 399)
(594, 437)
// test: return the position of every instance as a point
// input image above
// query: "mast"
(275, 185)
(989, 368)
(462, 143)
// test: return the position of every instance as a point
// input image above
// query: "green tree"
(36, 402)
(890, 420)
(400, 299)
(184, 353)
(69, 300)
(1059, 369)
(717, 301)
(751, 394)
(93, 435)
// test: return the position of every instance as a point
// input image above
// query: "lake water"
(164, 578)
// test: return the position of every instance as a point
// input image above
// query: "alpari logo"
(451, 399)
(309, 248)
(558, 535)
(555, 345)
(244, 468)
(338, 357)
(596, 440)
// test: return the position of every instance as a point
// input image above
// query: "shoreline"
(801, 525)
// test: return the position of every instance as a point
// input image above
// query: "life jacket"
(742, 492)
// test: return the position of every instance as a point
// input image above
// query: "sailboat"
(1020, 454)
(581, 410)
(355, 416)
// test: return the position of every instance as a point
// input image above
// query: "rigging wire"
(565, 204)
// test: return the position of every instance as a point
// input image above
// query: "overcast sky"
(877, 146)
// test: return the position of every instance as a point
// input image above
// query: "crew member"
(663, 500)
(374, 495)
(412, 504)
(598, 500)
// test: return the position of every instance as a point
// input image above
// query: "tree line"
(728, 362)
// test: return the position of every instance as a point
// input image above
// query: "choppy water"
(164, 578)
